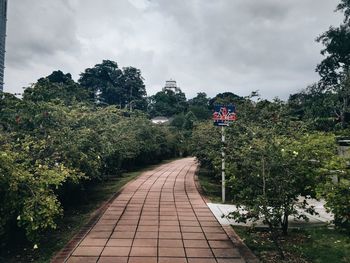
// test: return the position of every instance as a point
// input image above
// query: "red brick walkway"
(158, 218)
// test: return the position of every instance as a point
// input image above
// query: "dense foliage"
(56, 140)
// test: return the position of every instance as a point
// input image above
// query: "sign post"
(223, 116)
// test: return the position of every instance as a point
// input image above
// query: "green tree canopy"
(199, 106)
(56, 86)
(167, 103)
(108, 84)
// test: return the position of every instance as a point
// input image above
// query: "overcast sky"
(205, 45)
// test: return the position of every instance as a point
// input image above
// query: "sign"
(224, 115)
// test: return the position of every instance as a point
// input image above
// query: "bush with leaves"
(336, 190)
(27, 189)
(49, 148)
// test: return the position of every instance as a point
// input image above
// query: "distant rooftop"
(160, 120)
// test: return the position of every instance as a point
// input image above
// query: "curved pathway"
(160, 217)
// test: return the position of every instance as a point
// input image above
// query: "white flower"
(35, 246)
(295, 153)
(18, 217)
(283, 150)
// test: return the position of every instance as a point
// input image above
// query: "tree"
(334, 69)
(271, 172)
(133, 83)
(225, 98)
(199, 106)
(167, 103)
(56, 86)
(315, 106)
(107, 84)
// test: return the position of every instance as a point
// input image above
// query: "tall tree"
(110, 85)
(334, 69)
(134, 87)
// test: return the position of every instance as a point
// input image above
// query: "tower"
(3, 19)
(171, 85)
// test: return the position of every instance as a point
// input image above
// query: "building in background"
(171, 85)
(3, 19)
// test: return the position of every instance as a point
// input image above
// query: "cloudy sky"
(205, 45)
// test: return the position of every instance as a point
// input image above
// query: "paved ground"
(160, 217)
(323, 217)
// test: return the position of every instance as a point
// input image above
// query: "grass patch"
(75, 217)
(314, 244)
(210, 185)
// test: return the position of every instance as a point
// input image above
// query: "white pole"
(223, 163)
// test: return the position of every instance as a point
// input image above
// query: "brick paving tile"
(115, 252)
(148, 223)
(189, 223)
(143, 252)
(143, 242)
(125, 228)
(170, 243)
(199, 252)
(82, 260)
(172, 260)
(87, 251)
(158, 218)
(193, 236)
(171, 252)
(147, 228)
(151, 235)
(127, 222)
(127, 235)
(169, 228)
(191, 229)
(119, 242)
(98, 235)
(169, 223)
(196, 243)
(169, 235)
(201, 260)
(113, 260)
(94, 242)
(142, 260)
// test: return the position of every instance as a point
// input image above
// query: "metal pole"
(223, 163)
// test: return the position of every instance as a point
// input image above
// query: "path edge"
(63, 254)
(244, 250)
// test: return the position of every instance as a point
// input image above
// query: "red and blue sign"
(224, 115)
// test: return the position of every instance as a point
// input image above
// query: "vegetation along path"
(159, 217)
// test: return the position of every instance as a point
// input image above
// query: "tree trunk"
(274, 236)
(285, 224)
(343, 111)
